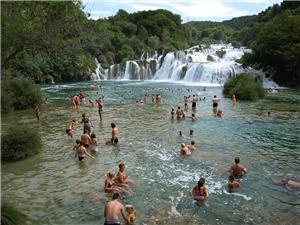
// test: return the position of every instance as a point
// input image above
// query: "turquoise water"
(54, 188)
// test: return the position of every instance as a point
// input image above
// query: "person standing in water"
(232, 183)
(186, 102)
(112, 210)
(233, 100)
(114, 135)
(86, 123)
(237, 170)
(194, 101)
(100, 107)
(215, 101)
(199, 192)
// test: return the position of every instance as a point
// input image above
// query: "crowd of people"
(88, 146)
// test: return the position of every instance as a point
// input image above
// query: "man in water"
(232, 183)
(100, 107)
(86, 139)
(112, 210)
(194, 118)
(215, 104)
(191, 147)
(191, 132)
(114, 135)
(186, 102)
(287, 182)
(238, 170)
(194, 100)
(179, 113)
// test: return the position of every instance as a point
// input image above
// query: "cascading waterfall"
(211, 65)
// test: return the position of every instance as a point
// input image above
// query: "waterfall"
(209, 65)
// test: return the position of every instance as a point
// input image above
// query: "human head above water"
(191, 132)
(237, 160)
(192, 142)
(113, 125)
(231, 178)
(116, 196)
(121, 166)
(201, 182)
(83, 115)
(93, 135)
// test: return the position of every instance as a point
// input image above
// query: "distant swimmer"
(220, 113)
(114, 135)
(113, 209)
(287, 182)
(185, 150)
(191, 146)
(172, 113)
(194, 118)
(191, 132)
(181, 134)
(232, 183)
(82, 152)
(199, 192)
(86, 139)
(194, 101)
(238, 170)
(215, 101)
(186, 102)
(145, 98)
(233, 100)
(131, 214)
(158, 98)
(91, 103)
(100, 103)
(94, 143)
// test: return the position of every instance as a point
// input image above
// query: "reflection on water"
(54, 188)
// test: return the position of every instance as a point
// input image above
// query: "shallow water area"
(54, 188)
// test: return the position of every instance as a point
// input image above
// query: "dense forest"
(47, 41)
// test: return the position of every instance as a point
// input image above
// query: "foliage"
(11, 216)
(244, 87)
(18, 142)
(19, 93)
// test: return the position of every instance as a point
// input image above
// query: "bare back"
(112, 210)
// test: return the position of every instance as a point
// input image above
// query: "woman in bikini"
(199, 192)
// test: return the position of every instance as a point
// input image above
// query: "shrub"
(244, 87)
(19, 93)
(11, 216)
(18, 142)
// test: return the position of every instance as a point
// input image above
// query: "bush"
(11, 216)
(244, 87)
(19, 93)
(18, 142)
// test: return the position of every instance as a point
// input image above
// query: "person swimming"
(232, 183)
(191, 132)
(185, 150)
(94, 143)
(199, 192)
(238, 170)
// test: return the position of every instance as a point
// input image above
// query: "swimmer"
(122, 179)
(181, 134)
(232, 183)
(114, 135)
(76, 147)
(131, 214)
(82, 152)
(112, 210)
(191, 132)
(185, 150)
(194, 118)
(237, 170)
(199, 192)
(91, 103)
(215, 101)
(179, 113)
(172, 113)
(233, 100)
(94, 143)
(70, 128)
(220, 113)
(194, 101)
(287, 182)
(191, 146)
(145, 98)
(100, 103)
(81, 97)
(158, 98)
(186, 102)
(37, 112)
(109, 185)
(86, 139)
(86, 123)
